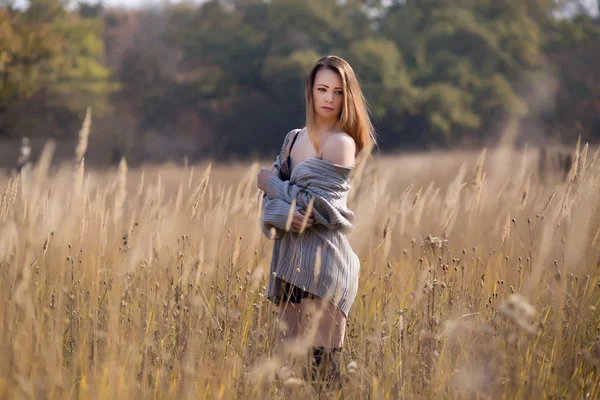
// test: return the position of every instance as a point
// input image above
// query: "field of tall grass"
(477, 282)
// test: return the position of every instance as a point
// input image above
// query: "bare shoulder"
(288, 139)
(340, 149)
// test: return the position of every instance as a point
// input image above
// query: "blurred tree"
(227, 76)
(572, 47)
(52, 69)
(253, 58)
(90, 10)
(465, 58)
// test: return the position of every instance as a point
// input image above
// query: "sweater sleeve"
(324, 212)
(274, 212)
(274, 215)
(278, 189)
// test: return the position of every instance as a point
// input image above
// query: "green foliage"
(232, 72)
(434, 71)
(51, 60)
(465, 58)
(28, 58)
(83, 79)
(383, 74)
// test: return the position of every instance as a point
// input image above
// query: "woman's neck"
(323, 128)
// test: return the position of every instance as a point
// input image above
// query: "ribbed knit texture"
(294, 254)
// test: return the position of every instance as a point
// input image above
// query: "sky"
(141, 3)
(592, 5)
(121, 3)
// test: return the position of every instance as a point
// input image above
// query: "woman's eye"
(321, 89)
(339, 92)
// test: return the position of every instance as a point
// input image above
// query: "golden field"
(477, 282)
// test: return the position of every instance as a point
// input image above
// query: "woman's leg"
(288, 329)
(290, 315)
(326, 324)
(325, 321)
(289, 318)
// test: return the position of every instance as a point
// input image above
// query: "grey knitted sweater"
(320, 260)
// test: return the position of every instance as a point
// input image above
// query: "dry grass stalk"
(200, 192)
(506, 228)
(549, 201)
(121, 191)
(164, 305)
(84, 134)
(307, 213)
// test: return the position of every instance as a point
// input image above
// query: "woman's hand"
(263, 177)
(299, 217)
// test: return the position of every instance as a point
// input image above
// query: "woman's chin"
(326, 116)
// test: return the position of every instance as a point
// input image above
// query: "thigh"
(289, 318)
(290, 312)
(324, 321)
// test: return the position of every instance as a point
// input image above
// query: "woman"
(313, 266)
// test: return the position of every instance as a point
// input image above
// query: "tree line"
(226, 78)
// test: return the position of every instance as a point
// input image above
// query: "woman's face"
(328, 94)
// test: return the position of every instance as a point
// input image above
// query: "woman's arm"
(275, 214)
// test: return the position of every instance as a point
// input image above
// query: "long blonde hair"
(354, 117)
